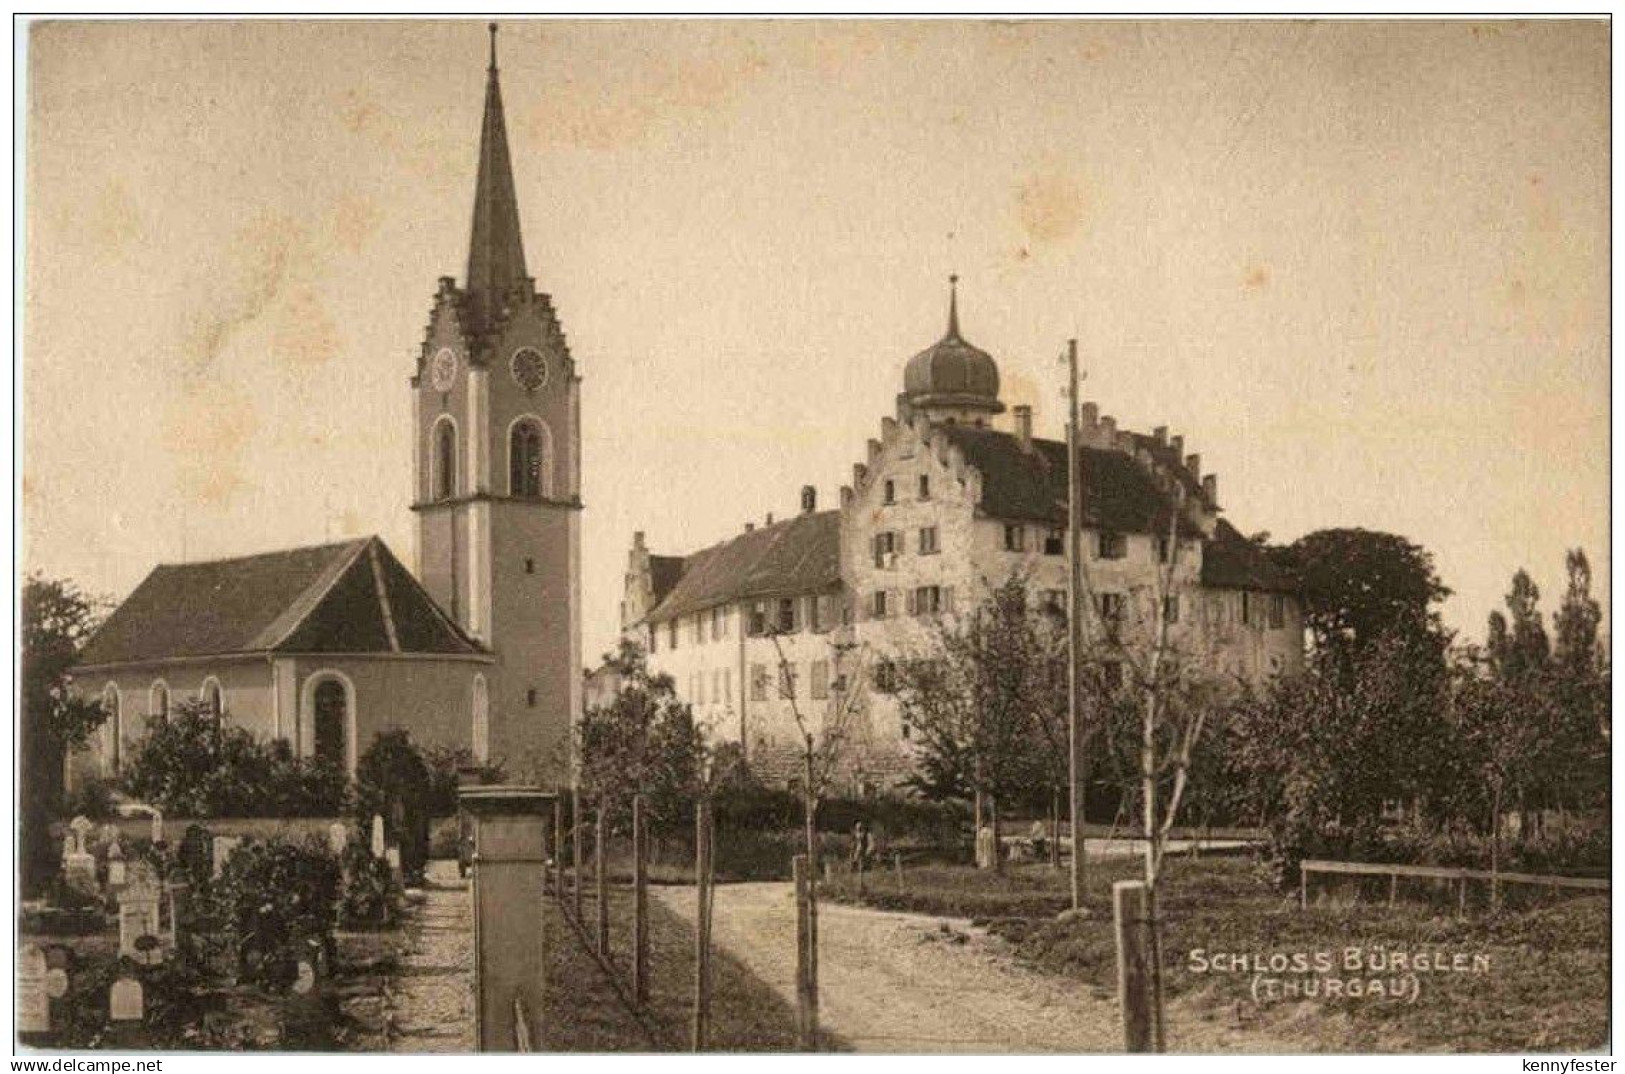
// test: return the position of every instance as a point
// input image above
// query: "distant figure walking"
(863, 848)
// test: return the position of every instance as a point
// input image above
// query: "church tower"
(497, 454)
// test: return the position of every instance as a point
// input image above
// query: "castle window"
(1277, 611)
(928, 540)
(815, 618)
(1246, 608)
(925, 486)
(885, 547)
(1055, 542)
(927, 600)
(1170, 609)
(525, 459)
(877, 604)
(819, 674)
(1165, 548)
(885, 677)
(787, 615)
(530, 697)
(1112, 545)
(1055, 601)
(891, 491)
(530, 566)
(445, 459)
(787, 680)
(758, 682)
(654, 638)
(1015, 538)
(671, 634)
(1111, 608)
(758, 619)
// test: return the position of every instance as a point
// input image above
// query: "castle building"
(326, 646)
(945, 508)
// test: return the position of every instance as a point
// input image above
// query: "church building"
(328, 645)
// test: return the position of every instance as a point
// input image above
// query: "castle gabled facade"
(327, 646)
(944, 508)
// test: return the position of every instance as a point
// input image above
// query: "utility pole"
(1074, 619)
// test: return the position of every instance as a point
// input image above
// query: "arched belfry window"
(445, 459)
(527, 459)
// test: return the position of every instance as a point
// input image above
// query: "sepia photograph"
(949, 536)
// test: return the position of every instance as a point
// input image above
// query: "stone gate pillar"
(508, 867)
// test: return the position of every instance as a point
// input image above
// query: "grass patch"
(585, 1014)
(1546, 988)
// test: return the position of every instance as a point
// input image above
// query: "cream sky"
(1362, 267)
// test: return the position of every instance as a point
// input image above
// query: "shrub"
(445, 762)
(393, 781)
(370, 898)
(276, 896)
(194, 764)
(92, 798)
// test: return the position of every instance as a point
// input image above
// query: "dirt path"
(431, 999)
(900, 983)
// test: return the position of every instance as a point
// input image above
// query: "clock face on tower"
(529, 368)
(444, 369)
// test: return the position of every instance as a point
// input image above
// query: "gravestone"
(125, 1002)
(377, 836)
(985, 849)
(224, 847)
(115, 865)
(33, 1004)
(138, 917)
(392, 855)
(338, 837)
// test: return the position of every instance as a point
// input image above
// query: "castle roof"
(798, 555)
(1231, 561)
(349, 597)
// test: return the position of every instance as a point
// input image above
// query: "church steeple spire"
(953, 307)
(496, 255)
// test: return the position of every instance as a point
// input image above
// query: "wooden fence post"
(577, 856)
(702, 926)
(558, 850)
(640, 905)
(897, 860)
(1131, 913)
(806, 1033)
(602, 869)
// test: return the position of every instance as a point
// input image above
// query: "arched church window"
(115, 727)
(331, 716)
(445, 460)
(213, 699)
(482, 720)
(526, 458)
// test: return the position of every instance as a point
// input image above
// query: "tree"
(974, 691)
(643, 742)
(1358, 585)
(1518, 647)
(57, 618)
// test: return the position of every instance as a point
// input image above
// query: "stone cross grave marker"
(224, 847)
(33, 1004)
(125, 1002)
(78, 864)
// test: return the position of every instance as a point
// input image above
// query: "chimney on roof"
(1193, 465)
(1024, 426)
(1178, 444)
(809, 499)
(769, 521)
(637, 539)
(1210, 488)
(1108, 428)
(750, 526)
(1160, 434)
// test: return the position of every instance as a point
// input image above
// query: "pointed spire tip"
(493, 28)
(953, 306)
